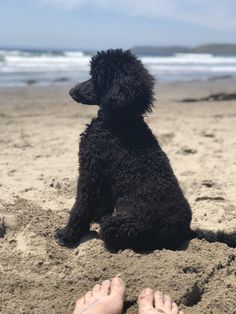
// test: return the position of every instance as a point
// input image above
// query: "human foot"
(150, 302)
(107, 298)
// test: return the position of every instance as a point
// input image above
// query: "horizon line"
(12, 47)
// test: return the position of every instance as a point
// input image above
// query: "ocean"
(26, 67)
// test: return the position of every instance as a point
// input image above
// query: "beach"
(39, 136)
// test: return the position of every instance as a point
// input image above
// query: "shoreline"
(66, 80)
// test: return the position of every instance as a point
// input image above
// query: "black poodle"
(125, 180)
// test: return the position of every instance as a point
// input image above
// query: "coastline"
(39, 134)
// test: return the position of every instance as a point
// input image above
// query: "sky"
(102, 24)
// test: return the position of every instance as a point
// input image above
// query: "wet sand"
(39, 134)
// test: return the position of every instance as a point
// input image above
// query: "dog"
(126, 183)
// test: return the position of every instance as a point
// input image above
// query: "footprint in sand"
(7, 222)
(208, 134)
(210, 198)
(30, 244)
(208, 183)
(166, 138)
(187, 151)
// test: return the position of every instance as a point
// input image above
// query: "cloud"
(219, 15)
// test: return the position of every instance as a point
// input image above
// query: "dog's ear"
(124, 86)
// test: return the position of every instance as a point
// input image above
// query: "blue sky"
(101, 24)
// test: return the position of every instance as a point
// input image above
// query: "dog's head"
(119, 84)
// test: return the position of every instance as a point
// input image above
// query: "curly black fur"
(126, 182)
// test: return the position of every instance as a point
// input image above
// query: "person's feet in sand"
(150, 302)
(105, 298)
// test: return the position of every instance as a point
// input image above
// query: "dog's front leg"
(88, 193)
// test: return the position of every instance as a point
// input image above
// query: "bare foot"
(107, 298)
(150, 302)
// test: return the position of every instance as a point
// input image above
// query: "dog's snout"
(75, 94)
(72, 92)
(84, 93)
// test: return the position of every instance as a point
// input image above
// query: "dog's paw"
(65, 237)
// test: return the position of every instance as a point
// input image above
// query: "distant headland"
(215, 49)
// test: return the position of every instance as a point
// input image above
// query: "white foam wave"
(186, 59)
(14, 62)
(74, 53)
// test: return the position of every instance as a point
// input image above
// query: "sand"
(39, 134)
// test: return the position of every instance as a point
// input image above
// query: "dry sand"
(39, 133)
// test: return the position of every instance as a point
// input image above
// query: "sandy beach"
(39, 135)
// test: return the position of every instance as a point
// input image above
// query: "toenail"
(147, 291)
(106, 282)
(117, 280)
(167, 298)
(174, 305)
(97, 286)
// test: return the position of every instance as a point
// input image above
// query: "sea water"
(24, 67)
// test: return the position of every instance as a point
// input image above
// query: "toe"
(105, 287)
(96, 290)
(167, 303)
(78, 305)
(118, 287)
(146, 298)
(159, 300)
(88, 296)
(175, 309)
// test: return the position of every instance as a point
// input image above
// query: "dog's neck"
(108, 117)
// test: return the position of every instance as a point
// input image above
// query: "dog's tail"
(228, 238)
